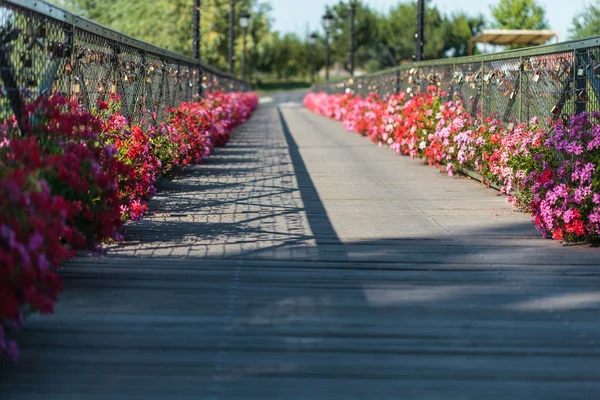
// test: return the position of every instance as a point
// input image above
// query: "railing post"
(120, 87)
(7, 75)
(451, 87)
(482, 96)
(162, 88)
(70, 33)
(140, 86)
(200, 80)
(479, 86)
(521, 70)
(514, 96)
(580, 80)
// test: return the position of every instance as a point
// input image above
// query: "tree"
(366, 34)
(586, 22)
(519, 14)
(444, 36)
(289, 56)
(398, 31)
(167, 24)
(461, 28)
(382, 40)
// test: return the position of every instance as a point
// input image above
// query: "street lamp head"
(353, 3)
(313, 39)
(245, 19)
(327, 20)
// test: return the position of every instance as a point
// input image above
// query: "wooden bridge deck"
(303, 262)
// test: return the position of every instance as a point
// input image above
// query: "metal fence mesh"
(549, 82)
(44, 48)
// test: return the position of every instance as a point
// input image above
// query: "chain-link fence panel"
(550, 82)
(44, 48)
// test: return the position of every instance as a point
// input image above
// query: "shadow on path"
(316, 214)
(298, 267)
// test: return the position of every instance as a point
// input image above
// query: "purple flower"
(12, 350)
(9, 235)
(110, 150)
(43, 263)
(36, 241)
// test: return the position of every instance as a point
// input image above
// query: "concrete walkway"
(304, 262)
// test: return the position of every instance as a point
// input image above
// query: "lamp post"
(420, 36)
(231, 34)
(244, 22)
(313, 42)
(327, 21)
(196, 30)
(353, 4)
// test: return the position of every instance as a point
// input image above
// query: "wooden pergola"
(503, 37)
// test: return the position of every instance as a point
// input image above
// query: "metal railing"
(45, 48)
(551, 81)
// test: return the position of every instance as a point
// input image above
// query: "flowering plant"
(69, 179)
(565, 187)
(552, 174)
(58, 194)
(134, 149)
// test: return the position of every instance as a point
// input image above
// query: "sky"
(298, 15)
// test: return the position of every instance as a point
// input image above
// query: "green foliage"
(459, 29)
(167, 23)
(398, 31)
(519, 14)
(285, 85)
(390, 39)
(382, 40)
(586, 22)
(367, 34)
(289, 56)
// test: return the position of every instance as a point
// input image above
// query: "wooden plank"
(301, 262)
